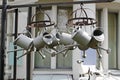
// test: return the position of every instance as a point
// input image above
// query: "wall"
(22, 1)
(80, 68)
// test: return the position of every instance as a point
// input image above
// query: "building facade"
(107, 16)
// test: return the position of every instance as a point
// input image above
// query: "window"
(112, 26)
(61, 61)
(39, 62)
(63, 15)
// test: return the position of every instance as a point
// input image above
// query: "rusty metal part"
(81, 21)
(40, 24)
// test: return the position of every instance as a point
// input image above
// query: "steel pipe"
(56, 3)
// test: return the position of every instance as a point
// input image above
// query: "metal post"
(56, 3)
(3, 39)
(15, 47)
(59, 3)
(29, 55)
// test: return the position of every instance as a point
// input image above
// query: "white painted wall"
(76, 67)
(54, 19)
(80, 68)
(117, 1)
(104, 24)
(22, 1)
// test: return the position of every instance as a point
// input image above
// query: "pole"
(3, 39)
(15, 47)
(28, 73)
(56, 3)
